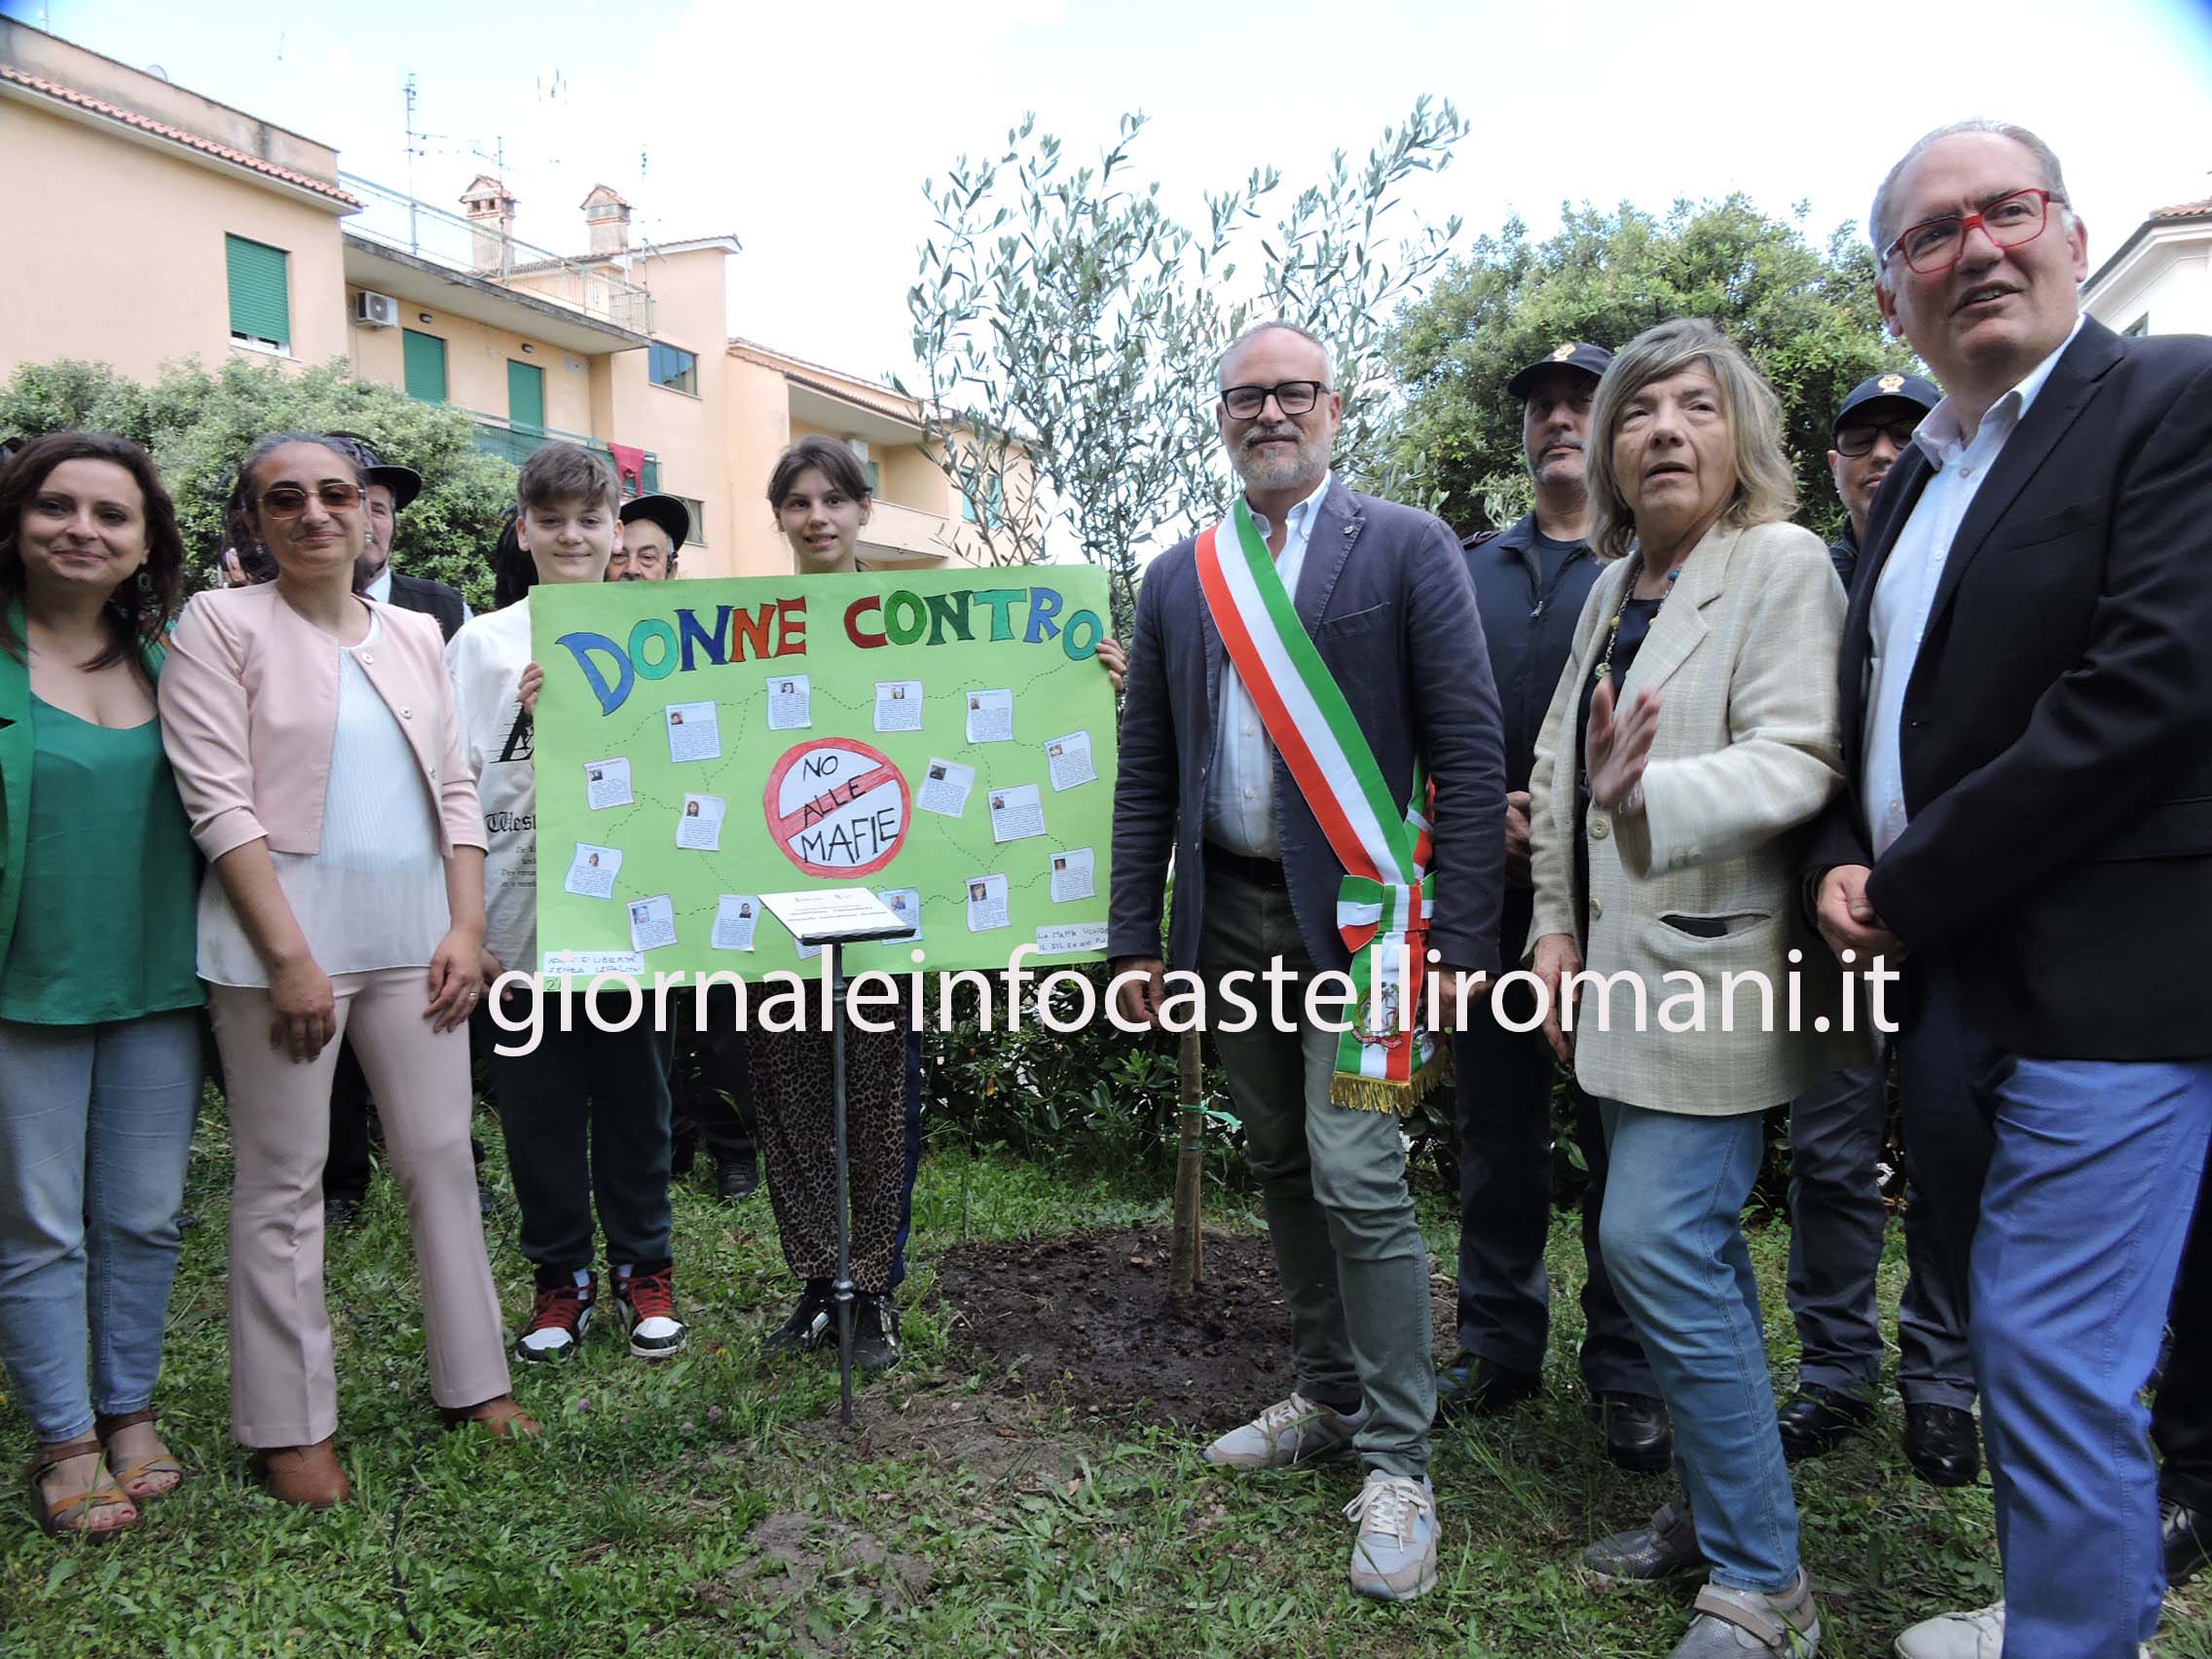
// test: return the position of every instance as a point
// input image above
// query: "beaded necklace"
(1628, 591)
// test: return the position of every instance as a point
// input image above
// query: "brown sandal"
(69, 1517)
(501, 1417)
(146, 1468)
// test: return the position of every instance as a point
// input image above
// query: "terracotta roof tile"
(175, 135)
(2183, 209)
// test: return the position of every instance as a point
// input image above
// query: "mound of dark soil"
(1085, 1320)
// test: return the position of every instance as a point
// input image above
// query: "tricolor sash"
(1385, 1062)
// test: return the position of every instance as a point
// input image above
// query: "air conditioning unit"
(376, 311)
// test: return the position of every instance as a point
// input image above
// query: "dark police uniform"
(1837, 1215)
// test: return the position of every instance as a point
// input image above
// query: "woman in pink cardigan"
(312, 737)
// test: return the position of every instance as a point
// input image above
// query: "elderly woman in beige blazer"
(312, 737)
(1694, 732)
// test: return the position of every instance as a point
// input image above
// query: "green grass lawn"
(711, 1506)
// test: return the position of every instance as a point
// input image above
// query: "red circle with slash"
(837, 807)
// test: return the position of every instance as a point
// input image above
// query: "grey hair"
(1766, 490)
(1328, 365)
(1880, 224)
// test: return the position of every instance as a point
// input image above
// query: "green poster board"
(944, 738)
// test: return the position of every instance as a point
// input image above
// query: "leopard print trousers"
(792, 1097)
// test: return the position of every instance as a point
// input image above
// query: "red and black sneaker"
(558, 1318)
(647, 1299)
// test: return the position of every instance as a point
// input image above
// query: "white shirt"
(1240, 795)
(374, 894)
(1907, 590)
(486, 660)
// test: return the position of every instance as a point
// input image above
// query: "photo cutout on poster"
(898, 705)
(695, 732)
(944, 788)
(736, 915)
(592, 871)
(606, 782)
(791, 702)
(1068, 759)
(990, 717)
(699, 829)
(652, 923)
(987, 902)
(1073, 875)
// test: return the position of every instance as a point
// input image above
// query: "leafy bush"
(199, 426)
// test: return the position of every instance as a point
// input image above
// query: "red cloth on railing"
(630, 464)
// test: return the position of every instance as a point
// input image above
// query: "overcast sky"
(807, 131)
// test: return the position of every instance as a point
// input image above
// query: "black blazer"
(2058, 727)
(1384, 594)
(432, 599)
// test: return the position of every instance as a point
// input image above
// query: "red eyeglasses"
(1937, 245)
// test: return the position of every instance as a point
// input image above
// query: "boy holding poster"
(587, 1112)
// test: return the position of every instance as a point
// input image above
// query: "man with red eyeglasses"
(2028, 828)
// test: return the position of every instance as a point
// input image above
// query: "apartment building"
(248, 238)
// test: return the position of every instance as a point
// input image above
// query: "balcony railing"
(479, 250)
(500, 436)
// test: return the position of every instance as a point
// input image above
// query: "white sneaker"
(1295, 1430)
(1394, 1556)
(1979, 1635)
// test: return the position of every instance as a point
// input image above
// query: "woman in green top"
(99, 1042)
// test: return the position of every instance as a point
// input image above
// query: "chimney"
(607, 217)
(490, 214)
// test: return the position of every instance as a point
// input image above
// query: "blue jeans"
(96, 1126)
(1673, 1242)
(2084, 1215)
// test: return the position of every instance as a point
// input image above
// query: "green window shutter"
(526, 396)
(261, 306)
(424, 357)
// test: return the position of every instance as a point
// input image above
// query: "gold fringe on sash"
(1388, 1094)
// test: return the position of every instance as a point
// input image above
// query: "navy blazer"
(1384, 594)
(2056, 739)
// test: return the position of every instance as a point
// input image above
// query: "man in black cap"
(1836, 1135)
(391, 491)
(1530, 584)
(1871, 431)
(654, 529)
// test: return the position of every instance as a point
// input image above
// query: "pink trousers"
(284, 1375)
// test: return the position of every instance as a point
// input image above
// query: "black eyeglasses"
(290, 501)
(1292, 397)
(1856, 441)
(1937, 245)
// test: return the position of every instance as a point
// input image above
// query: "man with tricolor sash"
(1312, 737)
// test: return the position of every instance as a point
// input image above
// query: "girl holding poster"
(821, 498)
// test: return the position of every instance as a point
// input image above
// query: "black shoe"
(487, 1201)
(337, 1214)
(1942, 1444)
(1640, 1436)
(681, 1152)
(1818, 1419)
(2186, 1532)
(1470, 1386)
(875, 1333)
(809, 1323)
(735, 1182)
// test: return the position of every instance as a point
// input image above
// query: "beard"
(1277, 466)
